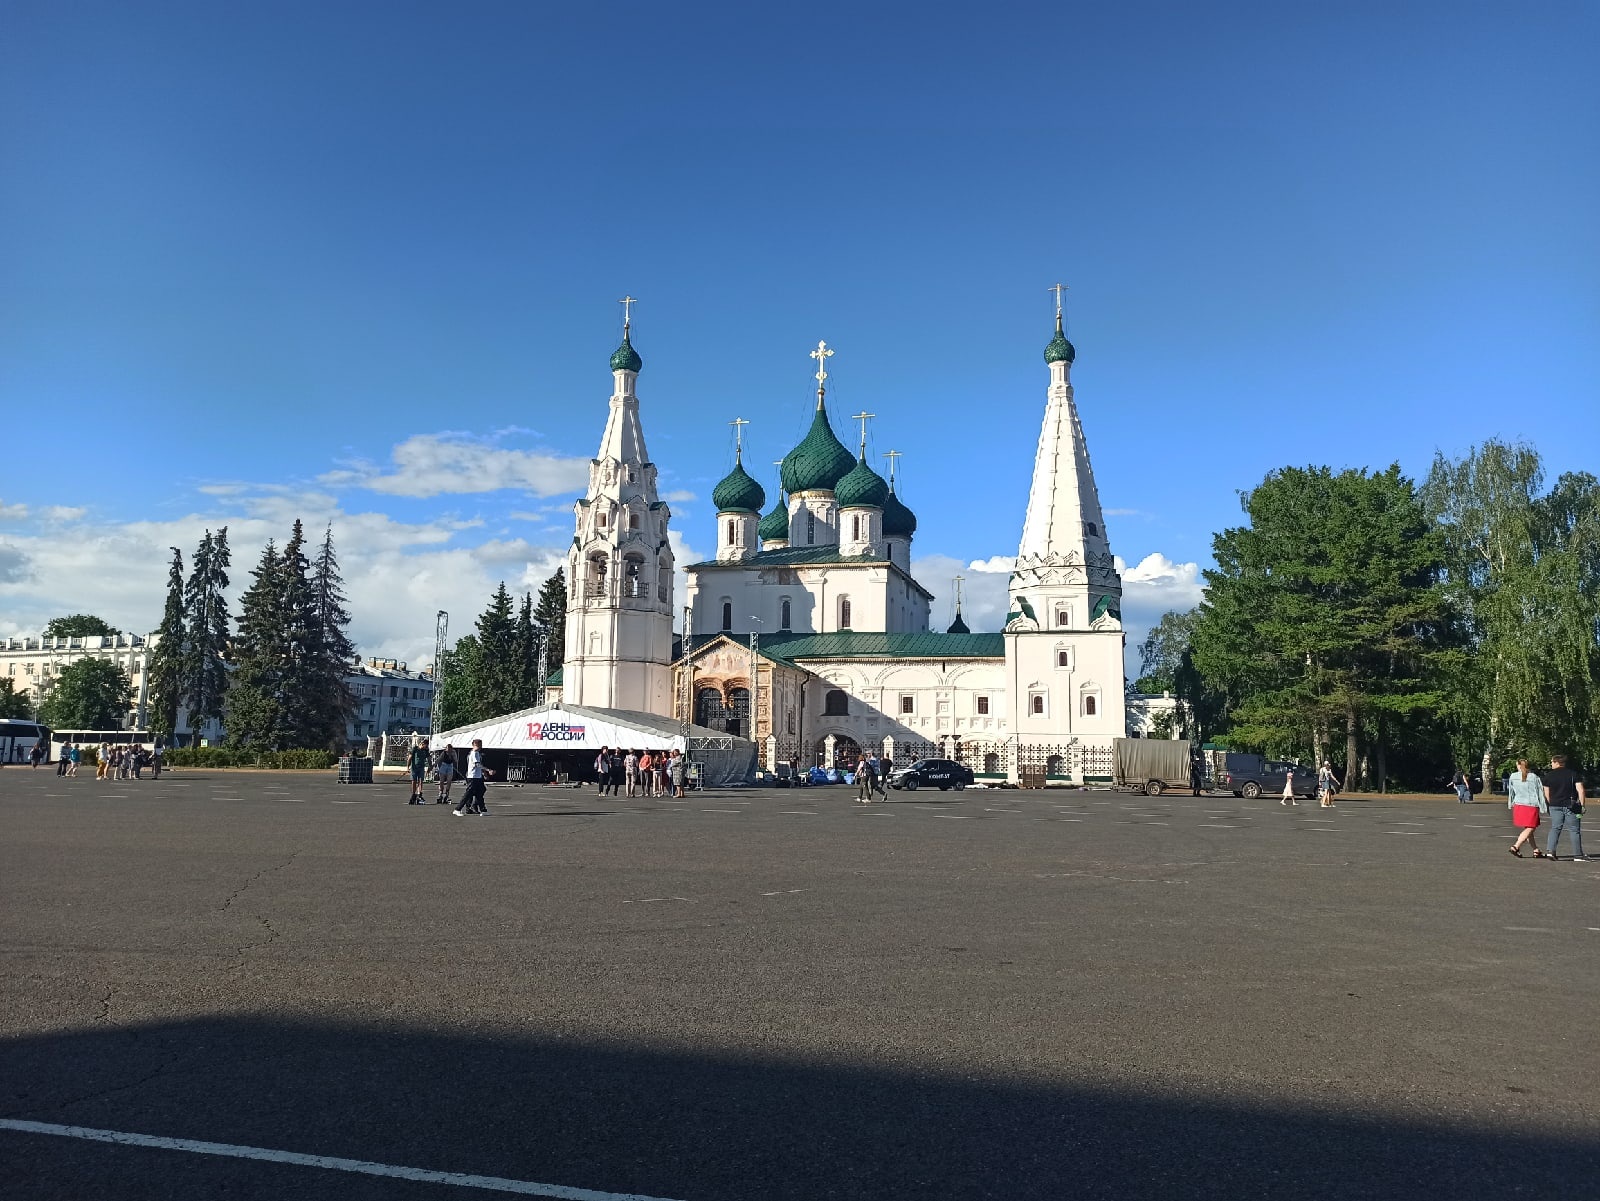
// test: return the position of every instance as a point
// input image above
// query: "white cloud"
(681, 496)
(1152, 587)
(1003, 564)
(433, 464)
(1123, 513)
(983, 592)
(12, 512)
(56, 514)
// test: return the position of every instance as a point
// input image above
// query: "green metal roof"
(862, 488)
(774, 526)
(852, 645)
(897, 519)
(553, 680)
(625, 357)
(1059, 350)
(820, 461)
(796, 556)
(738, 492)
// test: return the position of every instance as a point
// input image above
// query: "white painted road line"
(1216, 826)
(495, 1184)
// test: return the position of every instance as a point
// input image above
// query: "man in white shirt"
(472, 799)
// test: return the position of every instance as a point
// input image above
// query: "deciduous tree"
(89, 694)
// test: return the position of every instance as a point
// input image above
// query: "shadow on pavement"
(698, 1128)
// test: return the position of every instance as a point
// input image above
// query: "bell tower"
(619, 568)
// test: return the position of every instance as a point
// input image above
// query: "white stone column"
(772, 754)
(827, 752)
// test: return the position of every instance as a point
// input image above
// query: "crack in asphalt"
(245, 887)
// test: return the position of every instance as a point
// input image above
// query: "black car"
(942, 774)
(1251, 776)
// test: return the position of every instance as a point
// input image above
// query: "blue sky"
(360, 262)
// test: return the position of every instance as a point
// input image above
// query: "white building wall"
(882, 600)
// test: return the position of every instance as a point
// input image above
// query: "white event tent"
(564, 729)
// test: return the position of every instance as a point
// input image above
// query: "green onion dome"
(897, 519)
(862, 488)
(774, 526)
(819, 462)
(738, 492)
(625, 357)
(1059, 350)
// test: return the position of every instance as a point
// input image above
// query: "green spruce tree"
(166, 659)
(495, 679)
(336, 654)
(256, 712)
(550, 613)
(525, 656)
(207, 625)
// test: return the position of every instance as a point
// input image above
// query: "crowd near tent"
(560, 742)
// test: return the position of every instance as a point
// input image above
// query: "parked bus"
(93, 738)
(18, 738)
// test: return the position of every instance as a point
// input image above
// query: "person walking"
(647, 774)
(445, 772)
(136, 754)
(866, 779)
(157, 761)
(417, 761)
(1563, 793)
(1463, 787)
(35, 753)
(1327, 785)
(102, 760)
(630, 772)
(64, 758)
(676, 772)
(1525, 799)
(472, 798)
(602, 769)
(73, 756)
(1287, 798)
(885, 767)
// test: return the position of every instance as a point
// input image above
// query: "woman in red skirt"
(1525, 799)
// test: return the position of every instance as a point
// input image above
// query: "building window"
(1063, 658)
(1036, 704)
(784, 615)
(991, 764)
(844, 612)
(836, 704)
(731, 532)
(1094, 530)
(709, 710)
(633, 566)
(1055, 765)
(1088, 706)
(855, 526)
(600, 520)
(739, 713)
(811, 527)
(633, 521)
(1063, 615)
(791, 721)
(983, 706)
(727, 616)
(908, 704)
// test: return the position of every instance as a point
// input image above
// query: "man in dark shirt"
(1564, 792)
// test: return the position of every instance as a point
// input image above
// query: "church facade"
(807, 631)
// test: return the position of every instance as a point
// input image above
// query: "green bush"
(227, 756)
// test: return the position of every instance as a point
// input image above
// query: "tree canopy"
(80, 625)
(89, 694)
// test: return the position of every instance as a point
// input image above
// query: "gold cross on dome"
(1057, 289)
(738, 424)
(627, 303)
(822, 354)
(960, 579)
(891, 455)
(863, 417)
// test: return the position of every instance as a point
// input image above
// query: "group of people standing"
(1559, 793)
(642, 773)
(111, 762)
(1328, 786)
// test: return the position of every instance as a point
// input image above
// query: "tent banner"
(555, 730)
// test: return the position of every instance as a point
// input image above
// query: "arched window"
(732, 529)
(727, 615)
(600, 520)
(1094, 530)
(1063, 615)
(855, 526)
(811, 527)
(1063, 658)
(991, 763)
(633, 521)
(785, 615)
(1088, 706)
(709, 710)
(844, 612)
(1037, 704)
(633, 584)
(836, 704)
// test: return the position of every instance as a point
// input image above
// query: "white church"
(808, 634)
